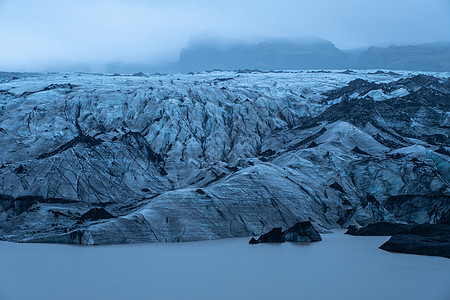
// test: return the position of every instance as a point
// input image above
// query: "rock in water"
(253, 241)
(302, 232)
(273, 236)
(425, 239)
(378, 229)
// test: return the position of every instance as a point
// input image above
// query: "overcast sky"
(39, 35)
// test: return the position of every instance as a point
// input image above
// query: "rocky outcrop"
(300, 232)
(274, 236)
(378, 229)
(425, 239)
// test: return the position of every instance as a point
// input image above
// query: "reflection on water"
(339, 267)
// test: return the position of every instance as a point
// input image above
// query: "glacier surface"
(214, 155)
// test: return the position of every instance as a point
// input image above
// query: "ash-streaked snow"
(218, 154)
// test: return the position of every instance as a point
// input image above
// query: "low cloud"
(71, 35)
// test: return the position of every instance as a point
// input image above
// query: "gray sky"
(40, 35)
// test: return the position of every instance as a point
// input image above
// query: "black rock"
(378, 229)
(351, 229)
(302, 232)
(253, 241)
(273, 236)
(425, 239)
(96, 213)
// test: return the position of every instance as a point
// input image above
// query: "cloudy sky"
(70, 35)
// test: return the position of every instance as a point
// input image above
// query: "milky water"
(339, 267)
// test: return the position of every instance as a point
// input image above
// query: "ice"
(214, 155)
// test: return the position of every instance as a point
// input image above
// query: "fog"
(82, 35)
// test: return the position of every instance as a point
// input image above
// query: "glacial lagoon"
(339, 267)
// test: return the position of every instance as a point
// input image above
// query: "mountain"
(307, 54)
(100, 159)
(272, 54)
(424, 57)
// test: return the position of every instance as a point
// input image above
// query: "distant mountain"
(424, 57)
(276, 54)
(314, 53)
(293, 54)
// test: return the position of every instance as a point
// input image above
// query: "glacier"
(106, 159)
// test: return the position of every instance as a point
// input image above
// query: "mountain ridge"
(314, 54)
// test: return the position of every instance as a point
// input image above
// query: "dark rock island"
(378, 229)
(424, 239)
(300, 232)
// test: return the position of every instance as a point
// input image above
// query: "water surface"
(339, 267)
